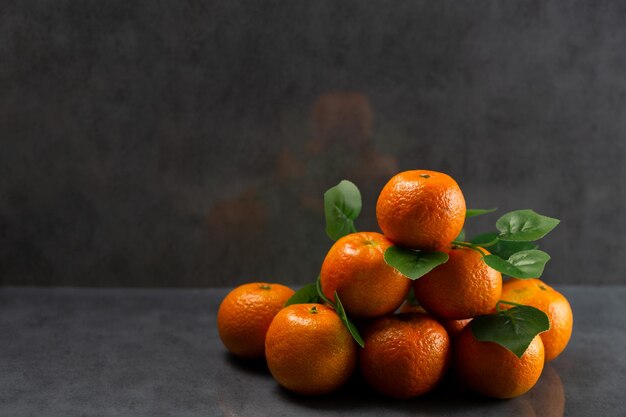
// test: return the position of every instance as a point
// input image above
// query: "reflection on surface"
(341, 116)
(247, 388)
(548, 396)
(338, 144)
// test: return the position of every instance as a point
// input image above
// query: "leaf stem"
(511, 303)
(352, 228)
(499, 310)
(458, 243)
(318, 285)
(469, 246)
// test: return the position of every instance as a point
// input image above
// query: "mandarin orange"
(309, 350)
(495, 371)
(245, 315)
(538, 294)
(462, 288)
(355, 267)
(421, 209)
(405, 355)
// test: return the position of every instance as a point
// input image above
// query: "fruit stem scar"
(265, 287)
(313, 310)
(424, 175)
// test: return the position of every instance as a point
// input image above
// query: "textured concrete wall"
(188, 143)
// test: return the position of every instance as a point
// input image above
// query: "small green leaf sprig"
(513, 250)
(342, 205)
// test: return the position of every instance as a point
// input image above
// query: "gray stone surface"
(130, 352)
(188, 143)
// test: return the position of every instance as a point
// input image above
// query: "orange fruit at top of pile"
(538, 294)
(421, 209)
(309, 350)
(245, 315)
(355, 267)
(462, 288)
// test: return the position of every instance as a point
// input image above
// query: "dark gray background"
(188, 143)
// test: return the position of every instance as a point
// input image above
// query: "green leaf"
(505, 249)
(485, 239)
(305, 295)
(513, 329)
(413, 264)
(524, 264)
(342, 205)
(525, 225)
(351, 327)
(320, 293)
(478, 212)
(461, 236)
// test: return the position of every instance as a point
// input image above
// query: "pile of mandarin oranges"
(403, 332)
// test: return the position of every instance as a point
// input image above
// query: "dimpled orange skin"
(407, 307)
(309, 350)
(462, 288)
(495, 371)
(453, 327)
(405, 355)
(421, 209)
(245, 315)
(536, 293)
(355, 267)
